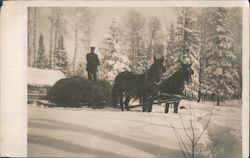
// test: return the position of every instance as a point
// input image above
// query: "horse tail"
(115, 91)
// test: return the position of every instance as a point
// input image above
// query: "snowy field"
(108, 132)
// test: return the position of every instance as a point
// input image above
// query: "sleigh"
(167, 99)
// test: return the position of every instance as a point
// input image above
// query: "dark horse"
(142, 86)
(175, 83)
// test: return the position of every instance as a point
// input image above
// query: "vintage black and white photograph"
(134, 82)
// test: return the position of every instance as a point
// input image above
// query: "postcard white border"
(13, 117)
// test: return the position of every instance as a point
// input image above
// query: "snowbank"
(224, 129)
(43, 77)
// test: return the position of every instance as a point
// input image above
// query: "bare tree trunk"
(59, 49)
(50, 44)
(200, 75)
(55, 46)
(74, 58)
(29, 34)
(183, 31)
(34, 38)
(88, 36)
(150, 45)
(218, 100)
(201, 60)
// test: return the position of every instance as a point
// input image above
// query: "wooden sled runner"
(170, 99)
(167, 99)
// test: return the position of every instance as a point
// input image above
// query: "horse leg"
(141, 101)
(150, 104)
(166, 107)
(126, 102)
(121, 100)
(176, 104)
(144, 104)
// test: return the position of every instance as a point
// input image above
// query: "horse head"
(187, 72)
(156, 70)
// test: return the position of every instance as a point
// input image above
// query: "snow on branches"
(114, 59)
(221, 74)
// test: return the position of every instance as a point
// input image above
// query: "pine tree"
(61, 59)
(204, 30)
(41, 56)
(173, 52)
(135, 40)
(187, 41)
(221, 73)
(115, 60)
(235, 25)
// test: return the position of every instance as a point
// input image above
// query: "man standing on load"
(92, 64)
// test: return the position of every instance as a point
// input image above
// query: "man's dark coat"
(92, 62)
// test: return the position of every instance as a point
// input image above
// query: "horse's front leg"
(121, 100)
(144, 104)
(176, 104)
(150, 103)
(126, 102)
(166, 107)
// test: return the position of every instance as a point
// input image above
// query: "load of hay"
(77, 92)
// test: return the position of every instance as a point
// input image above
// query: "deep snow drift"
(85, 132)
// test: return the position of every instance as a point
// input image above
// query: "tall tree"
(221, 62)
(154, 26)
(235, 25)
(61, 57)
(57, 29)
(41, 56)
(135, 35)
(173, 52)
(188, 41)
(29, 36)
(83, 19)
(51, 19)
(115, 59)
(34, 37)
(204, 30)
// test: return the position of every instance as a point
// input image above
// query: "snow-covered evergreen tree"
(41, 61)
(61, 58)
(221, 73)
(173, 52)
(115, 59)
(134, 35)
(184, 46)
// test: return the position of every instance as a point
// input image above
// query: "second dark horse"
(175, 83)
(142, 86)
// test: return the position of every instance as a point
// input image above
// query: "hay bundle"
(76, 92)
(105, 87)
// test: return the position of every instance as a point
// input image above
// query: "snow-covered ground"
(225, 129)
(108, 132)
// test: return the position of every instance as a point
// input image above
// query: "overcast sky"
(102, 21)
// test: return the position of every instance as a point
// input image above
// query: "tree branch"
(210, 116)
